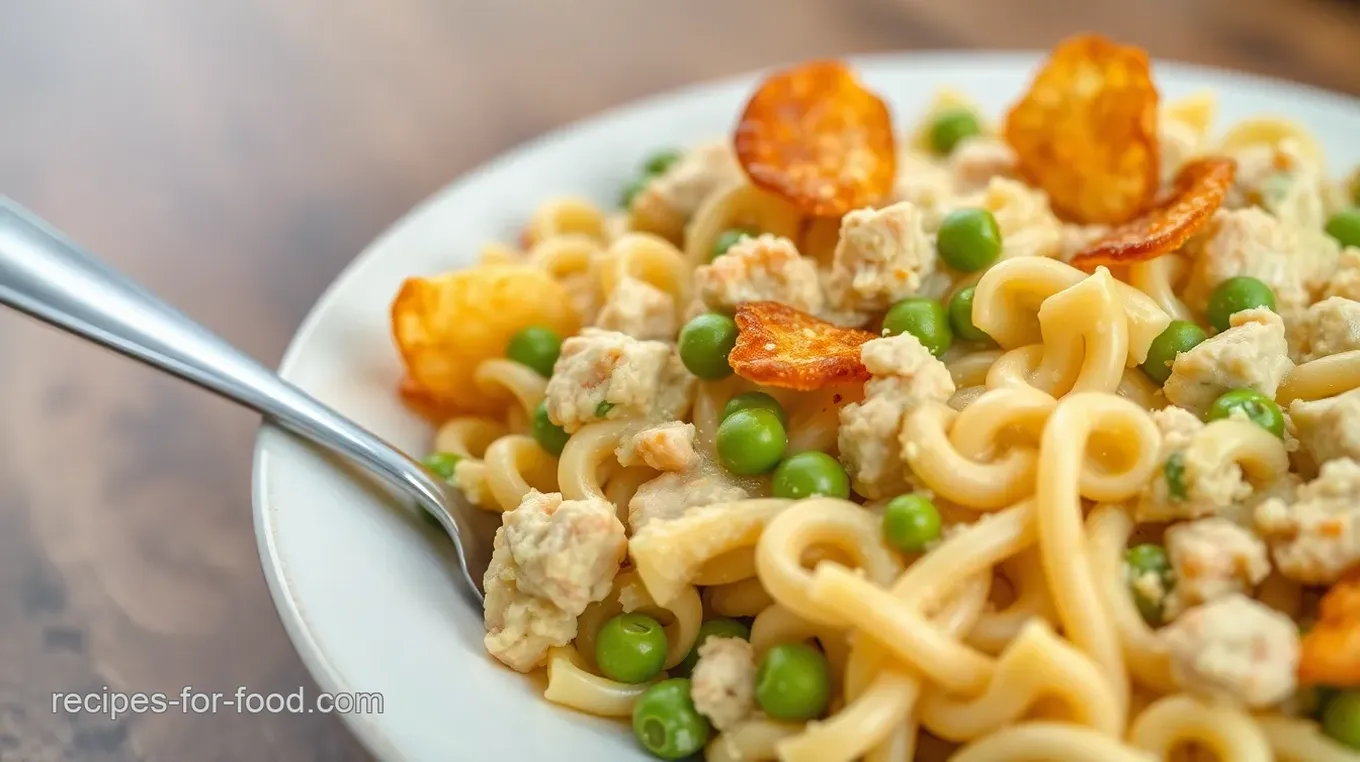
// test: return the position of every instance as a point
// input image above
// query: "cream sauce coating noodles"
(1021, 627)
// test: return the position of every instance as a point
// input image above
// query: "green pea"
(713, 628)
(1261, 409)
(810, 473)
(969, 239)
(631, 648)
(1179, 336)
(537, 347)
(1174, 472)
(923, 318)
(705, 343)
(1148, 559)
(631, 191)
(961, 317)
(654, 165)
(751, 441)
(1236, 294)
(1341, 719)
(666, 722)
(754, 400)
(549, 435)
(441, 463)
(660, 161)
(793, 682)
(602, 409)
(950, 128)
(1344, 226)
(911, 523)
(727, 239)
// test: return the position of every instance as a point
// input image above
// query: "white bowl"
(367, 595)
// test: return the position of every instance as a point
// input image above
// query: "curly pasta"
(1042, 570)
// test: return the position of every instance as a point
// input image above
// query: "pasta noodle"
(670, 554)
(1062, 545)
(752, 741)
(956, 454)
(815, 420)
(1227, 733)
(996, 629)
(1323, 377)
(1085, 340)
(571, 684)
(1158, 278)
(566, 256)
(468, 436)
(1295, 740)
(730, 567)
(1270, 132)
(623, 484)
(650, 259)
(893, 618)
(1037, 664)
(566, 216)
(1044, 741)
(587, 460)
(1108, 529)
(514, 465)
(780, 552)
(1009, 297)
(744, 598)
(738, 206)
(1010, 547)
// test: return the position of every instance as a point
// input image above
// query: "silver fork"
(45, 275)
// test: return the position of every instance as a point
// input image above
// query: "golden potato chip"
(1086, 132)
(1196, 193)
(445, 326)
(779, 346)
(813, 135)
(1330, 652)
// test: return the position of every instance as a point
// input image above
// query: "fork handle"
(47, 276)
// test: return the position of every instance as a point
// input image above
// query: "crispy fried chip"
(813, 135)
(1330, 652)
(446, 325)
(780, 346)
(1086, 132)
(1195, 195)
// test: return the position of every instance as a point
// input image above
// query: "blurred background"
(234, 155)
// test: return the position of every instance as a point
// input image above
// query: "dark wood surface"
(234, 155)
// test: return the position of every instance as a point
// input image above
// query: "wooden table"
(234, 155)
